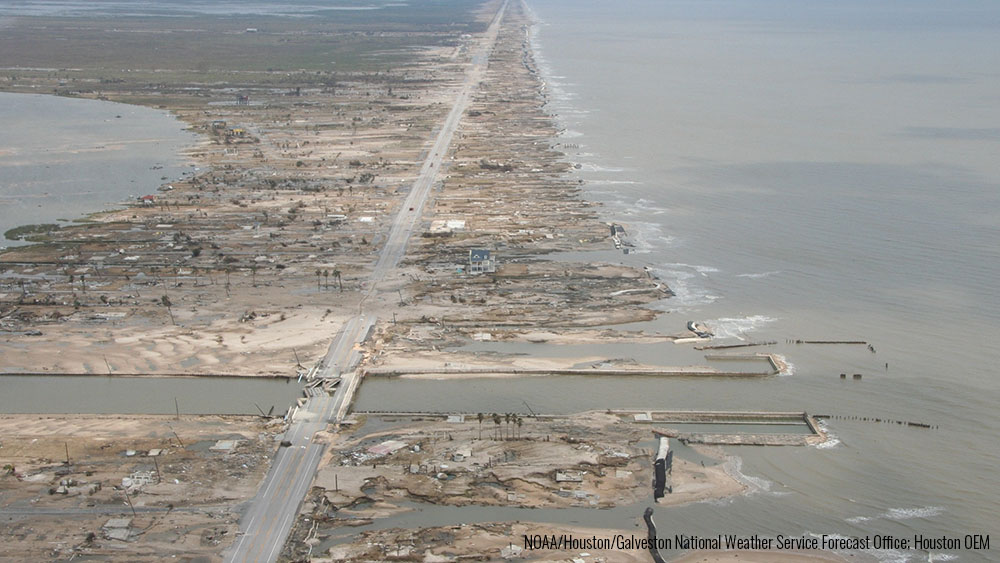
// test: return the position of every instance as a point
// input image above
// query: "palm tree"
(520, 421)
(496, 422)
(480, 418)
(83, 284)
(326, 280)
(506, 417)
(318, 274)
(336, 274)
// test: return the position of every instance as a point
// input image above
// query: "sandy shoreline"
(251, 266)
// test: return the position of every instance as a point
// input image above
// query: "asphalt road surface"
(265, 526)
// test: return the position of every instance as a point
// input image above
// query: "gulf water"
(795, 170)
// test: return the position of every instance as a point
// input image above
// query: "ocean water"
(64, 157)
(796, 170)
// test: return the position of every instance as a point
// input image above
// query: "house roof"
(479, 255)
(386, 447)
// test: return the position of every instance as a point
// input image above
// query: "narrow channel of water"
(94, 394)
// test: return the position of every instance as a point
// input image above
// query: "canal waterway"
(95, 394)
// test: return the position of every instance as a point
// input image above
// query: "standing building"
(481, 262)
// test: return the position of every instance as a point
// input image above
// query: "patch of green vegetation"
(26, 232)
(172, 41)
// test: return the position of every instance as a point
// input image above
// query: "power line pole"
(129, 502)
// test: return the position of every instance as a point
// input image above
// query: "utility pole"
(178, 437)
(529, 407)
(129, 500)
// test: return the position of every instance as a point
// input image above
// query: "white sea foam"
(908, 513)
(649, 206)
(758, 276)
(738, 327)
(680, 278)
(733, 467)
(647, 237)
(832, 441)
(789, 366)
(901, 514)
(703, 270)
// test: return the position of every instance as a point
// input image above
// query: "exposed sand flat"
(286, 189)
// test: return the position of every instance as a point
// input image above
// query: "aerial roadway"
(267, 522)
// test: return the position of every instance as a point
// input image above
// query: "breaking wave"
(680, 278)
(758, 276)
(900, 514)
(738, 328)
(789, 366)
(733, 467)
(908, 513)
(832, 441)
(647, 237)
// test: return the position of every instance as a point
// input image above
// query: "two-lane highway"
(267, 523)
(287, 482)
